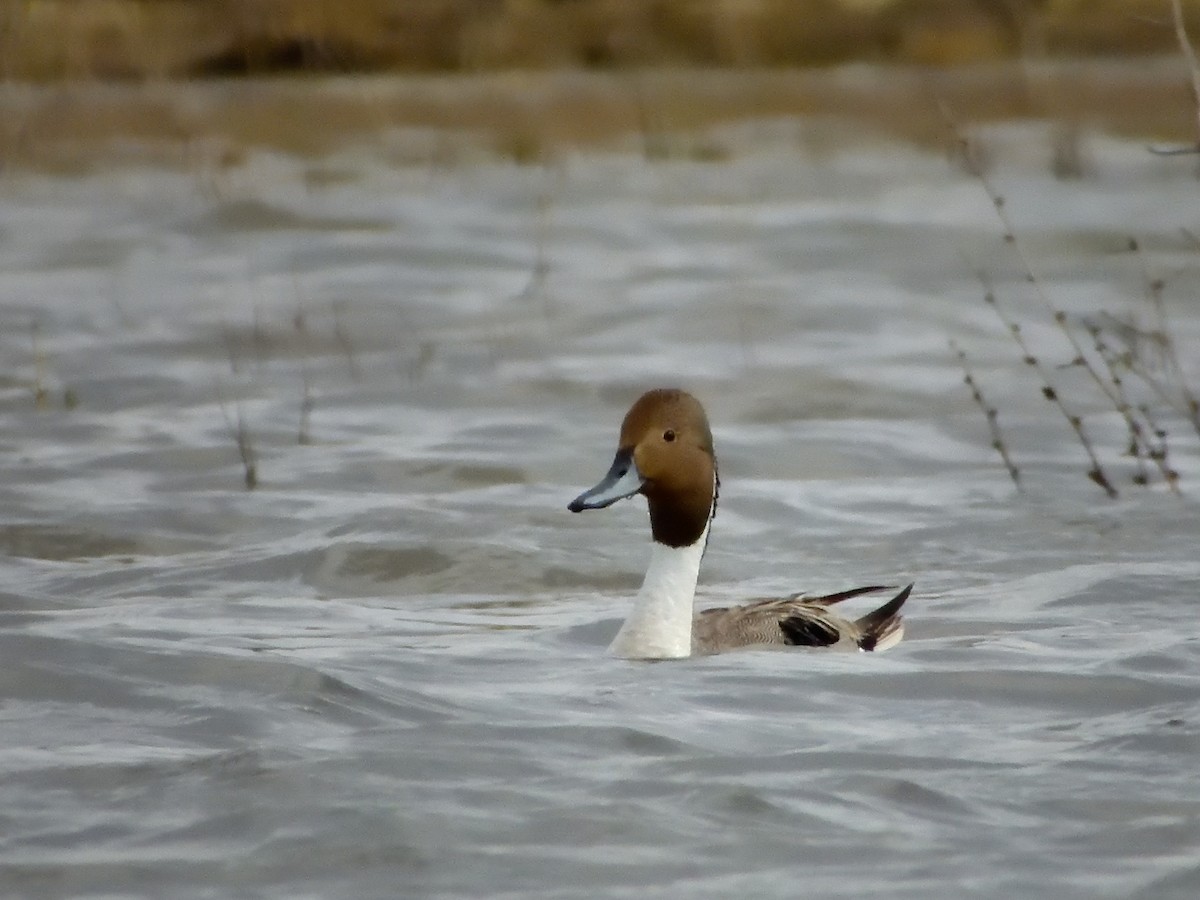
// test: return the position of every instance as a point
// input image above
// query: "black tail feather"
(883, 622)
(830, 599)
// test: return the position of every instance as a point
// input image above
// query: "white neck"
(660, 626)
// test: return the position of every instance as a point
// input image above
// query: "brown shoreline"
(151, 39)
(532, 116)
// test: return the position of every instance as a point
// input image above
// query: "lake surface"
(382, 672)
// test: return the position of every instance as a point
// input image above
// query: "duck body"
(665, 453)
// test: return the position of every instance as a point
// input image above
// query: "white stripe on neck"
(660, 625)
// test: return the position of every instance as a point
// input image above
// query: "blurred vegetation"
(151, 39)
(85, 79)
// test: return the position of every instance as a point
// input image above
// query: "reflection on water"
(382, 672)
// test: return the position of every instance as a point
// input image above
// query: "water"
(382, 672)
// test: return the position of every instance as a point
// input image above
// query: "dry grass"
(147, 39)
(208, 126)
(80, 80)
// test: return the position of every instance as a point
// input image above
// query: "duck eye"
(668, 435)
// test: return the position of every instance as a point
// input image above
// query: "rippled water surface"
(382, 672)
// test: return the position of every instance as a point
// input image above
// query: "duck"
(665, 454)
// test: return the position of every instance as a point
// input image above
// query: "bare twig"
(1137, 448)
(1018, 247)
(246, 452)
(541, 263)
(40, 397)
(240, 433)
(343, 340)
(1189, 53)
(1140, 447)
(307, 403)
(1188, 404)
(1155, 288)
(989, 413)
(1159, 452)
(1096, 473)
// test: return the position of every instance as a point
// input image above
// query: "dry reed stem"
(990, 414)
(343, 340)
(240, 433)
(1154, 290)
(1049, 391)
(1018, 247)
(307, 403)
(539, 271)
(1160, 453)
(1136, 447)
(1114, 396)
(1189, 54)
(1096, 473)
(1140, 447)
(1187, 403)
(246, 452)
(40, 396)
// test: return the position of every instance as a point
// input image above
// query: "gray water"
(382, 672)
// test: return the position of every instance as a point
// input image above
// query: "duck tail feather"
(830, 599)
(883, 628)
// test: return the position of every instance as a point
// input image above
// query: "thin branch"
(307, 403)
(1139, 445)
(40, 397)
(990, 414)
(241, 437)
(1159, 453)
(1018, 246)
(1189, 53)
(1154, 292)
(1096, 473)
(343, 340)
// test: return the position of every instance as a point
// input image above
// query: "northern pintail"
(666, 454)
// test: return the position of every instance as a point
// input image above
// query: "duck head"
(665, 453)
